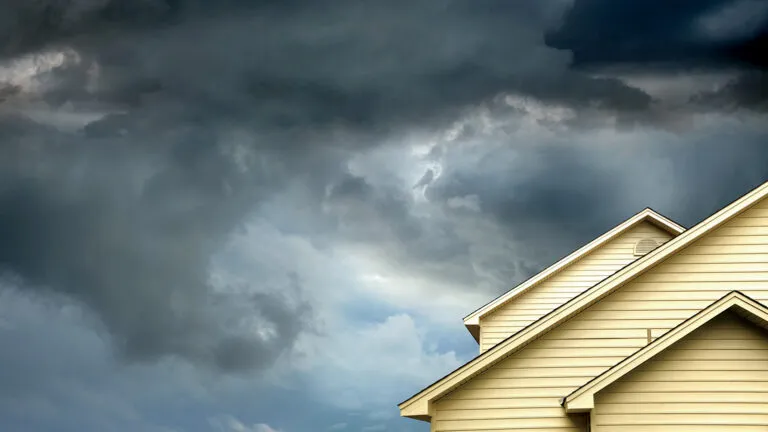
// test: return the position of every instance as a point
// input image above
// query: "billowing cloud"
(319, 193)
(642, 38)
(128, 225)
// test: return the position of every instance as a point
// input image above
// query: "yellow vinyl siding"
(605, 333)
(563, 286)
(686, 282)
(727, 375)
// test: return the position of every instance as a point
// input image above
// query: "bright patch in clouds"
(231, 424)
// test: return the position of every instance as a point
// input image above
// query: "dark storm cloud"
(653, 31)
(553, 197)
(127, 225)
(216, 107)
(560, 200)
(658, 37)
(748, 90)
(294, 64)
(29, 25)
(125, 214)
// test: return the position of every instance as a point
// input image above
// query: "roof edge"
(645, 215)
(582, 399)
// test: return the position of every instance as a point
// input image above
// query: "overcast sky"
(271, 216)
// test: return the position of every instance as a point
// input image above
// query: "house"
(650, 327)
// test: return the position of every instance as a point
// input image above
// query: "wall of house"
(563, 286)
(523, 391)
(715, 379)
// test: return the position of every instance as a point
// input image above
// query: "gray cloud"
(705, 32)
(294, 66)
(651, 37)
(128, 225)
(215, 108)
(748, 90)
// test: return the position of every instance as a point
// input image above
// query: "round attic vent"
(645, 245)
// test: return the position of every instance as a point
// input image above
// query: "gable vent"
(645, 245)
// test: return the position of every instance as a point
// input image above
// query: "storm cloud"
(138, 137)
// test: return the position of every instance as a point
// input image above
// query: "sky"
(271, 216)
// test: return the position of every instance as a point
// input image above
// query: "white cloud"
(469, 202)
(338, 426)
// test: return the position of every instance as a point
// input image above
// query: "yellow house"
(650, 327)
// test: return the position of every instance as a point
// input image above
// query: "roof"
(417, 406)
(583, 398)
(472, 321)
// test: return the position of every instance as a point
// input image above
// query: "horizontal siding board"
(718, 365)
(642, 315)
(549, 353)
(565, 362)
(758, 288)
(714, 376)
(571, 372)
(730, 249)
(518, 383)
(660, 278)
(471, 404)
(719, 354)
(686, 408)
(639, 335)
(493, 424)
(639, 341)
(628, 315)
(571, 336)
(656, 305)
(753, 267)
(595, 323)
(641, 297)
(523, 315)
(692, 386)
(502, 413)
(535, 392)
(684, 419)
(710, 398)
(718, 258)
